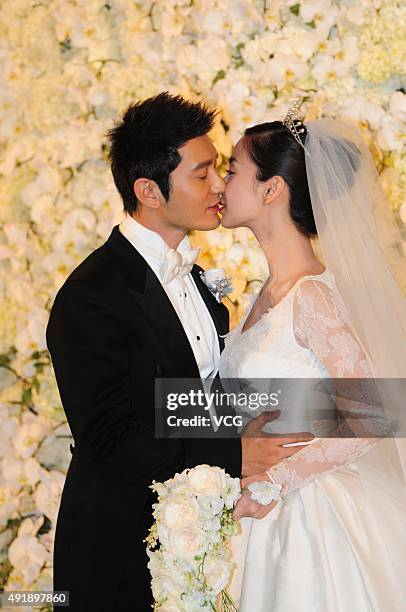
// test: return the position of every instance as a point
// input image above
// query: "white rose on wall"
(27, 439)
(61, 92)
(27, 555)
(48, 494)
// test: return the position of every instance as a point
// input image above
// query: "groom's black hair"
(145, 143)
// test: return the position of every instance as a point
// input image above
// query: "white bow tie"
(177, 264)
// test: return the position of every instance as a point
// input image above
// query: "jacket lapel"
(145, 288)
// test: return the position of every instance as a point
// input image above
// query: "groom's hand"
(261, 450)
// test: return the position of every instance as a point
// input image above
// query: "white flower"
(211, 504)
(390, 136)
(48, 493)
(207, 480)
(28, 556)
(166, 584)
(398, 105)
(187, 541)
(171, 606)
(284, 67)
(178, 512)
(264, 492)
(358, 108)
(27, 438)
(232, 493)
(217, 573)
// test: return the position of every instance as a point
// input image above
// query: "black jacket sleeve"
(91, 358)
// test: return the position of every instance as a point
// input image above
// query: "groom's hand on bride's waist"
(261, 450)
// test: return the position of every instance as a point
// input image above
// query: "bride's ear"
(273, 189)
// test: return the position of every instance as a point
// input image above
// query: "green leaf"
(295, 9)
(220, 75)
(311, 24)
(27, 396)
(16, 522)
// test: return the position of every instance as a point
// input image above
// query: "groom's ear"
(148, 193)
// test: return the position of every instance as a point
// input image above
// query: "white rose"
(178, 512)
(217, 574)
(187, 541)
(207, 480)
(167, 584)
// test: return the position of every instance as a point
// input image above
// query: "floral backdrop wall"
(67, 69)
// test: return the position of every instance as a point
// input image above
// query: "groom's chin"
(207, 225)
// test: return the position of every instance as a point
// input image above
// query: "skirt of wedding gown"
(326, 548)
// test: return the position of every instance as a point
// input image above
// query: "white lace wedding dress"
(325, 547)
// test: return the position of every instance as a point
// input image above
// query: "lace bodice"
(305, 337)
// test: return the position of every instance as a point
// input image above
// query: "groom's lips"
(216, 207)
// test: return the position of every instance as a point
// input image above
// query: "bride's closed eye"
(229, 172)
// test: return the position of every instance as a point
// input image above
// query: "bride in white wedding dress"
(336, 541)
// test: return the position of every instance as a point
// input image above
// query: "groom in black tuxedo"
(133, 310)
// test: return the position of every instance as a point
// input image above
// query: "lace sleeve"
(321, 324)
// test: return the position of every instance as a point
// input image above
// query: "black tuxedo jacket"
(111, 331)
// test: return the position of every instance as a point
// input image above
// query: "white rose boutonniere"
(217, 282)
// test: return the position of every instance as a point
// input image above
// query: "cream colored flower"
(217, 573)
(27, 439)
(28, 556)
(48, 493)
(187, 541)
(207, 480)
(178, 512)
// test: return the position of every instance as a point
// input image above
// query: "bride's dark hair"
(275, 152)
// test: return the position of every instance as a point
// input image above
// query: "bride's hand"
(247, 506)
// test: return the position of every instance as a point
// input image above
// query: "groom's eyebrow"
(204, 164)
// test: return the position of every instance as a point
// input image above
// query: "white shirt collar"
(150, 244)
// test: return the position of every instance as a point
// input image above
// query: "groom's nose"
(218, 185)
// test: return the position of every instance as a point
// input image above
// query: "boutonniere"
(217, 282)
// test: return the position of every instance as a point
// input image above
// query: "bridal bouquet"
(193, 524)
